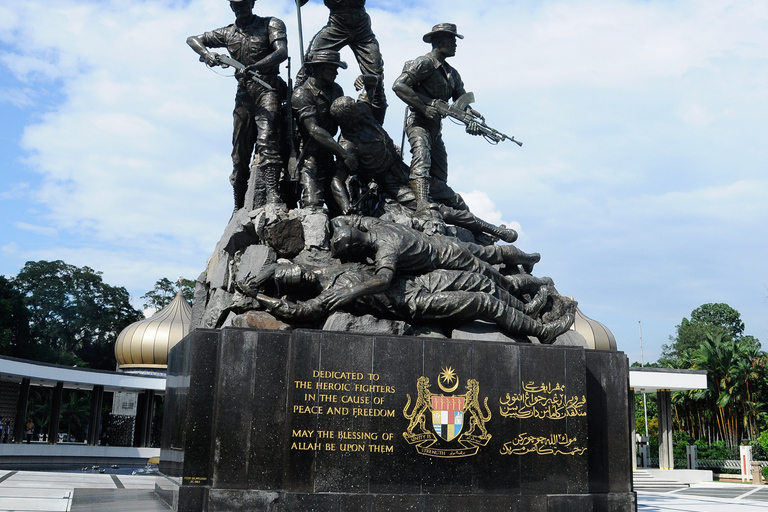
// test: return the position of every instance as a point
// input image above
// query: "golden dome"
(597, 335)
(146, 343)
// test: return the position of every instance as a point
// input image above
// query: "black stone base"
(227, 500)
(316, 421)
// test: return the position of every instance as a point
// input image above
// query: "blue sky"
(641, 181)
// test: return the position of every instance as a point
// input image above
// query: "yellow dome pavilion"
(144, 345)
(597, 335)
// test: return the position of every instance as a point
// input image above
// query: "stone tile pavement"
(709, 497)
(27, 491)
(38, 491)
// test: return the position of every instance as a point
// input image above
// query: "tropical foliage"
(70, 316)
(75, 411)
(733, 406)
(165, 290)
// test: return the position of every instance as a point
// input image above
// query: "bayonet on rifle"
(458, 110)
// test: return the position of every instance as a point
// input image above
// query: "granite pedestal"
(320, 421)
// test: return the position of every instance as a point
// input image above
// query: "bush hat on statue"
(325, 57)
(442, 28)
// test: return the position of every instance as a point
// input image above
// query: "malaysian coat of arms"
(447, 425)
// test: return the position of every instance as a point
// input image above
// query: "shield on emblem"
(447, 416)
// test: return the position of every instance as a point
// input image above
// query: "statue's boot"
(270, 303)
(512, 256)
(516, 322)
(521, 284)
(420, 187)
(533, 307)
(554, 329)
(500, 232)
(515, 256)
(271, 174)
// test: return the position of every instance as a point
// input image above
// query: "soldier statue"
(423, 80)
(311, 103)
(453, 297)
(379, 161)
(395, 248)
(260, 45)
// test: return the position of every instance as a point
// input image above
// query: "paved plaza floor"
(23, 491)
(709, 497)
(38, 491)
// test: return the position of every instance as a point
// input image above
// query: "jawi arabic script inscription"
(542, 402)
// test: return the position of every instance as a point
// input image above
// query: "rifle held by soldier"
(293, 157)
(225, 62)
(458, 110)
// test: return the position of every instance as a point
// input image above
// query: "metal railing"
(725, 464)
(707, 463)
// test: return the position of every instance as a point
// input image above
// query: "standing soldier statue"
(424, 80)
(349, 25)
(311, 102)
(257, 46)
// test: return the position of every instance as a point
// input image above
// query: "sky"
(641, 180)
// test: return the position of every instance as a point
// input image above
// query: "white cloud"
(17, 97)
(39, 230)
(10, 248)
(483, 207)
(15, 190)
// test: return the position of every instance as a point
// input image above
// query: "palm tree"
(75, 412)
(39, 407)
(729, 408)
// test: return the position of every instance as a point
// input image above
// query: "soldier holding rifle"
(423, 80)
(260, 45)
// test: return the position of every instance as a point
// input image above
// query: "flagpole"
(642, 363)
(301, 32)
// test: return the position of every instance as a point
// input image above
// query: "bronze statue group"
(389, 218)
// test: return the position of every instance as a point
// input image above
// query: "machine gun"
(225, 62)
(458, 110)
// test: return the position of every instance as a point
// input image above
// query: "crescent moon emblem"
(448, 390)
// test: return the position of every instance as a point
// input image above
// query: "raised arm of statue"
(339, 179)
(321, 136)
(403, 87)
(196, 43)
(278, 55)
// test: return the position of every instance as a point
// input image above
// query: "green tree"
(165, 290)
(39, 407)
(708, 319)
(730, 408)
(74, 316)
(14, 321)
(74, 413)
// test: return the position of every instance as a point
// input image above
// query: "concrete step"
(642, 480)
